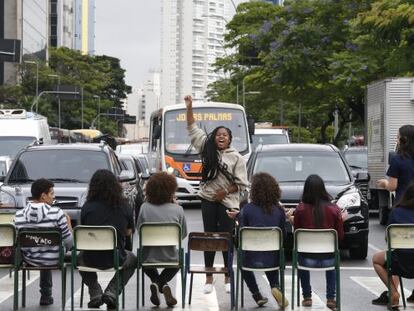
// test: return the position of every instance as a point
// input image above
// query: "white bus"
(170, 147)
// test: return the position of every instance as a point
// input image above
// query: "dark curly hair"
(104, 187)
(160, 188)
(265, 192)
(406, 142)
(209, 155)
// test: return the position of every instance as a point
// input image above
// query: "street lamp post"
(58, 89)
(36, 99)
(37, 74)
(99, 110)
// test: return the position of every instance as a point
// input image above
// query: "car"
(70, 167)
(131, 163)
(357, 158)
(269, 136)
(291, 164)
(5, 163)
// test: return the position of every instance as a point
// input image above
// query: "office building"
(85, 26)
(62, 23)
(192, 37)
(24, 34)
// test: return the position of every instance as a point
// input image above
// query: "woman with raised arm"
(224, 175)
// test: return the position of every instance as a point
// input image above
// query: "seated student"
(160, 207)
(263, 211)
(402, 213)
(106, 206)
(317, 212)
(40, 214)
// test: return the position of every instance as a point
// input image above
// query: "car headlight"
(7, 200)
(173, 171)
(349, 200)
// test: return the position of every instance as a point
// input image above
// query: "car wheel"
(359, 252)
(383, 215)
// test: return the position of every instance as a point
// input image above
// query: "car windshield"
(58, 165)
(295, 166)
(11, 145)
(357, 159)
(177, 140)
(267, 139)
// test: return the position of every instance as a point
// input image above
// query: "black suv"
(291, 164)
(70, 167)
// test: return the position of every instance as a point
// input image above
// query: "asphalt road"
(359, 283)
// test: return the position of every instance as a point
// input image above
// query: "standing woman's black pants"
(215, 219)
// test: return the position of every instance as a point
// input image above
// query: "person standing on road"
(160, 207)
(317, 212)
(224, 175)
(401, 170)
(106, 206)
(39, 213)
(263, 211)
(402, 213)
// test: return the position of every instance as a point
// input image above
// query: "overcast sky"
(130, 31)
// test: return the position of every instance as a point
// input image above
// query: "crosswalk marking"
(7, 284)
(375, 285)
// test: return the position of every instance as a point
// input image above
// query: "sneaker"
(169, 298)
(46, 300)
(411, 297)
(109, 301)
(277, 294)
(260, 300)
(155, 294)
(382, 300)
(208, 288)
(307, 302)
(331, 304)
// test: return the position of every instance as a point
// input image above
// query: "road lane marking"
(373, 247)
(375, 285)
(7, 284)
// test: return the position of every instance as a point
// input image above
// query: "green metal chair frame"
(399, 236)
(96, 238)
(315, 241)
(8, 239)
(254, 239)
(211, 242)
(24, 239)
(160, 234)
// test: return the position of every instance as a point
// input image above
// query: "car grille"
(289, 204)
(66, 202)
(193, 175)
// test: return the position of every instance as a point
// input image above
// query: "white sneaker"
(208, 288)
(228, 288)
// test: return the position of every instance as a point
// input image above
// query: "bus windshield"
(177, 140)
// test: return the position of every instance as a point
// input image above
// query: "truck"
(265, 133)
(389, 105)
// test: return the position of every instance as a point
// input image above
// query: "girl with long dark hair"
(106, 206)
(401, 170)
(317, 212)
(223, 176)
(263, 211)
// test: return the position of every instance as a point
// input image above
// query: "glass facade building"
(35, 28)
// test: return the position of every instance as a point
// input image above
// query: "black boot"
(382, 299)
(260, 300)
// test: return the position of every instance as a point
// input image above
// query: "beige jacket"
(235, 165)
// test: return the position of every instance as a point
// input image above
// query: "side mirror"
(363, 177)
(126, 176)
(391, 156)
(250, 125)
(157, 132)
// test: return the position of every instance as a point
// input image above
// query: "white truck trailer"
(389, 105)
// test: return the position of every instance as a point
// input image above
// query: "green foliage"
(97, 76)
(319, 54)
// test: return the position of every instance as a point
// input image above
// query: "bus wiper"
(356, 166)
(188, 151)
(65, 180)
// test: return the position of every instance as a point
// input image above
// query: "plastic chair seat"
(260, 269)
(316, 269)
(214, 270)
(161, 264)
(91, 269)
